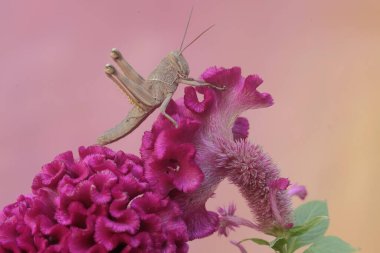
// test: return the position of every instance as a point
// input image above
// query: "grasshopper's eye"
(184, 66)
(179, 62)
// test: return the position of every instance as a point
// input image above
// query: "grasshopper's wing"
(134, 118)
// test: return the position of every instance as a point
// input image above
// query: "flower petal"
(201, 223)
(240, 128)
(193, 104)
(298, 190)
(101, 189)
(128, 222)
(280, 184)
(105, 234)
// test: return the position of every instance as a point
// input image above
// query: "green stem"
(284, 249)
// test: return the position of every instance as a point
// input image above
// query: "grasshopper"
(147, 95)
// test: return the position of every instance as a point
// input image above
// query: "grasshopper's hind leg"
(125, 67)
(131, 122)
(137, 93)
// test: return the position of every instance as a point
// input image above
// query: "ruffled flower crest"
(98, 203)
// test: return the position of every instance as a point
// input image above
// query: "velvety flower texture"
(210, 145)
(111, 201)
(99, 203)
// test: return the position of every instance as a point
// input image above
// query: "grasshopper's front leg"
(163, 107)
(193, 82)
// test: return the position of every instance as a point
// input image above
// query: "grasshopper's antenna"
(187, 26)
(197, 38)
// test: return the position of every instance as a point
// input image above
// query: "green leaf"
(304, 214)
(330, 244)
(278, 243)
(299, 230)
(257, 241)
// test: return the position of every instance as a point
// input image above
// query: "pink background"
(320, 60)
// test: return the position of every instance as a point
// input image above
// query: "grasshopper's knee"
(170, 118)
(109, 69)
(115, 54)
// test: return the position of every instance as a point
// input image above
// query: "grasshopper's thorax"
(172, 67)
(167, 74)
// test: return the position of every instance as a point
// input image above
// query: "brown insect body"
(165, 78)
(148, 95)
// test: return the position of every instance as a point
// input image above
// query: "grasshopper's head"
(180, 63)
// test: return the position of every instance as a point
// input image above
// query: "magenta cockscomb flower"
(99, 203)
(212, 127)
(111, 201)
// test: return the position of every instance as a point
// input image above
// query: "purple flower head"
(99, 203)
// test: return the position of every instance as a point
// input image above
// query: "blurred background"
(319, 59)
